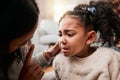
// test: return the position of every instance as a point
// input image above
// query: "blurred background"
(53, 9)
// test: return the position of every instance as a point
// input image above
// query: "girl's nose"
(63, 40)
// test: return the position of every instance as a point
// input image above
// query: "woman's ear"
(91, 36)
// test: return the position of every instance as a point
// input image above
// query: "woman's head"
(78, 28)
(19, 18)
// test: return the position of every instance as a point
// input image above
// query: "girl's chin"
(66, 54)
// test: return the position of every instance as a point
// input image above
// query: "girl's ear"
(91, 36)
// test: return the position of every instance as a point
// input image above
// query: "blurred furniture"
(46, 33)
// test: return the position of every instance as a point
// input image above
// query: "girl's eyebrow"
(67, 30)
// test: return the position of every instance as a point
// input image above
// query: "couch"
(46, 33)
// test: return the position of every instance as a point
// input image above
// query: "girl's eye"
(70, 35)
(59, 35)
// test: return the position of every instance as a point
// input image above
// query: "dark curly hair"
(100, 17)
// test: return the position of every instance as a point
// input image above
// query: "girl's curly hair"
(101, 17)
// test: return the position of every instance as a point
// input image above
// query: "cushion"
(49, 26)
(47, 39)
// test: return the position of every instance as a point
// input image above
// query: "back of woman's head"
(17, 18)
(100, 17)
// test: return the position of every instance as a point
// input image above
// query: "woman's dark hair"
(17, 17)
(101, 17)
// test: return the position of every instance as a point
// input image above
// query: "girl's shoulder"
(107, 50)
(110, 52)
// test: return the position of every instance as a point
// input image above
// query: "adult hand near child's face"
(31, 71)
(52, 51)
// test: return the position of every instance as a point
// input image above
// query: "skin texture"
(74, 39)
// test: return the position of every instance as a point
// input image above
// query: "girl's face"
(73, 37)
(22, 40)
(75, 40)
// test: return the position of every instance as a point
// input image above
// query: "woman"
(19, 20)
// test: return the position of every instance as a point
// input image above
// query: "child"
(79, 60)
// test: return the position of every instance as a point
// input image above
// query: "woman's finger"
(29, 55)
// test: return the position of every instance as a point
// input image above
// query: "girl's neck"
(87, 52)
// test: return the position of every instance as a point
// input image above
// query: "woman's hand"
(31, 71)
(52, 51)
